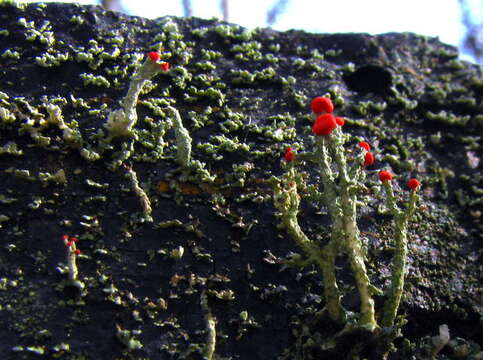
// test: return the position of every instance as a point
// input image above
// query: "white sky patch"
(440, 18)
(425, 17)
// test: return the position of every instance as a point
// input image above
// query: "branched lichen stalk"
(352, 243)
(341, 188)
(331, 290)
(287, 202)
(400, 253)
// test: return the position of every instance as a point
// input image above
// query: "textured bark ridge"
(185, 261)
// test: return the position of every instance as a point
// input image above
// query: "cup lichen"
(342, 183)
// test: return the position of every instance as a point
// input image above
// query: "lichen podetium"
(341, 182)
(401, 218)
(122, 121)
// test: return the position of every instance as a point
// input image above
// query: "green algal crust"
(76, 19)
(70, 134)
(38, 350)
(57, 178)
(48, 60)
(95, 54)
(126, 337)
(98, 80)
(6, 116)
(36, 123)
(43, 33)
(11, 148)
(211, 54)
(401, 218)
(3, 218)
(448, 118)
(239, 175)
(20, 173)
(248, 51)
(9, 54)
(245, 77)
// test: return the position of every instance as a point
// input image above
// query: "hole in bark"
(370, 79)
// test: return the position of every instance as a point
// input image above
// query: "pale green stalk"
(121, 122)
(183, 139)
(210, 328)
(330, 251)
(143, 197)
(287, 201)
(401, 218)
(71, 263)
(352, 244)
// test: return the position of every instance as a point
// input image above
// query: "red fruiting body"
(324, 125)
(289, 154)
(413, 184)
(385, 175)
(74, 239)
(365, 145)
(369, 158)
(77, 251)
(154, 56)
(322, 104)
(340, 121)
(65, 237)
(164, 66)
(69, 243)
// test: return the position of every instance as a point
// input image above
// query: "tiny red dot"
(385, 175)
(365, 145)
(154, 56)
(165, 66)
(369, 159)
(413, 184)
(289, 154)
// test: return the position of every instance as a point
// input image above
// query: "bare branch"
(113, 5)
(277, 9)
(473, 40)
(187, 8)
(224, 9)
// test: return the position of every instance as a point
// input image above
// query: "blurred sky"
(441, 18)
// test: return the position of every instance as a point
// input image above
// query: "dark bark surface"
(244, 98)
